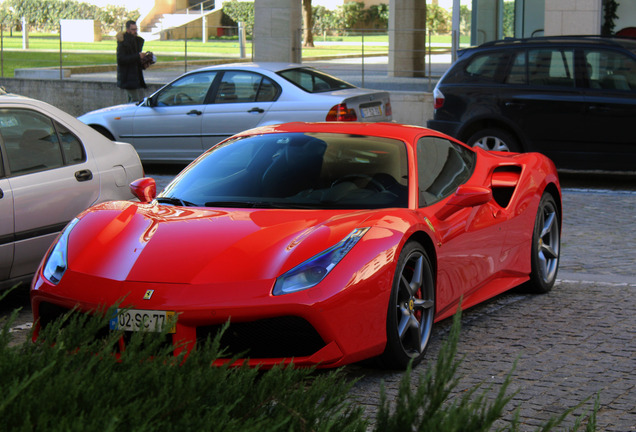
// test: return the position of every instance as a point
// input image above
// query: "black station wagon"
(572, 98)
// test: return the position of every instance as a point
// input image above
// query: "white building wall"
(573, 17)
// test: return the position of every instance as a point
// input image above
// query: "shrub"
(45, 15)
(71, 380)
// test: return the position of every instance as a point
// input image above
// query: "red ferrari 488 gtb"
(320, 243)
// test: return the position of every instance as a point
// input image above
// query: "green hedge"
(70, 380)
(45, 15)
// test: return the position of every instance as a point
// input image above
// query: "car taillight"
(388, 110)
(340, 112)
(438, 98)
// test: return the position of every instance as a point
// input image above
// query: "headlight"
(57, 262)
(314, 270)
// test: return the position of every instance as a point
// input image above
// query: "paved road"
(575, 342)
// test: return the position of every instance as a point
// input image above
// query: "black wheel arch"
(429, 247)
(552, 189)
(104, 131)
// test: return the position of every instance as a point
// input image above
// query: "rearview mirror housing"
(144, 188)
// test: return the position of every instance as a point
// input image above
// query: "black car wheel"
(411, 309)
(494, 139)
(546, 246)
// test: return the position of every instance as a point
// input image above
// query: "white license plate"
(143, 320)
(373, 111)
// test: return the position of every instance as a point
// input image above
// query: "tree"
(308, 34)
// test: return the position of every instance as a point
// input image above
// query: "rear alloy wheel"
(411, 309)
(494, 140)
(546, 246)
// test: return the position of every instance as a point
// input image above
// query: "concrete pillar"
(572, 17)
(407, 38)
(277, 28)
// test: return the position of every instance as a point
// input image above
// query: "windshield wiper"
(237, 204)
(175, 201)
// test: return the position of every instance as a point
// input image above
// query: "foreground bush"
(71, 381)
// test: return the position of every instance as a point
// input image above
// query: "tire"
(102, 130)
(494, 139)
(546, 246)
(411, 309)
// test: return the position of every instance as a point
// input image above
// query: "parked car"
(52, 167)
(325, 243)
(570, 98)
(203, 107)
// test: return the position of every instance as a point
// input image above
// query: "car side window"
(551, 67)
(241, 86)
(188, 90)
(31, 141)
(442, 166)
(1, 164)
(610, 70)
(485, 68)
(518, 69)
(72, 148)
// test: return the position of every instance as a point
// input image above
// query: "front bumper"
(319, 326)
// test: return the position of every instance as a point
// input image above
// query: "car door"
(241, 101)
(543, 101)
(51, 180)
(611, 107)
(470, 239)
(6, 221)
(168, 127)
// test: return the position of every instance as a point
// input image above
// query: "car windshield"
(296, 170)
(313, 80)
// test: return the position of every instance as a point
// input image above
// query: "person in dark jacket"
(130, 75)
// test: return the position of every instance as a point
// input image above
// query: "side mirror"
(465, 196)
(144, 188)
(148, 101)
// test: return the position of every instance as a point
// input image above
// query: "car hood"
(136, 242)
(112, 110)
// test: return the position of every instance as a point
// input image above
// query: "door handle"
(257, 110)
(83, 175)
(1, 194)
(195, 112)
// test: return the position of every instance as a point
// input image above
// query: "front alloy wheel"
(411, 309)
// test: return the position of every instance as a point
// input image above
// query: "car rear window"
(314, 81)
(481, 68)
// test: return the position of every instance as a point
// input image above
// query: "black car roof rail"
(601, 40)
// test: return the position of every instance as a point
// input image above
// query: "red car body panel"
(215, 264)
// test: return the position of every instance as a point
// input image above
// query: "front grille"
(281, 337)
(49, 313)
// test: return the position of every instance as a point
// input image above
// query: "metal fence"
(360, 56)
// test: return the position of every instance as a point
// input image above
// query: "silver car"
(205, 106)
(52, 167)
